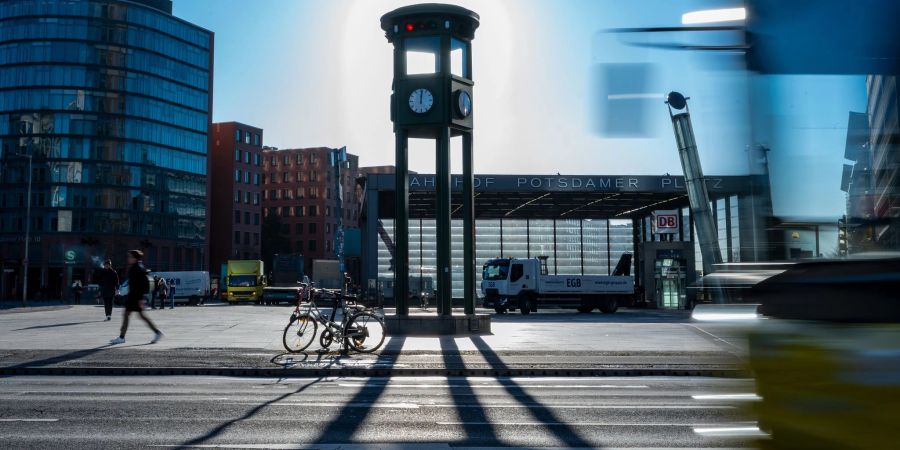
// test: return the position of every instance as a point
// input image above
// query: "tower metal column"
(443, 228)
(468, 205)
(401, 224)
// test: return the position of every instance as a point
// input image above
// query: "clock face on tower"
(421, 100)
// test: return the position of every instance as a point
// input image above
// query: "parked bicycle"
(359, 329)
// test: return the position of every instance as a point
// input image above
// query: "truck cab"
(245, 281)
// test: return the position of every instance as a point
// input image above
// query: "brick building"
(299, 188)
(235, 162)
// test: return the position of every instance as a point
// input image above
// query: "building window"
(247, 157)
(301, 192)
(255, 139)
(247, 197)
(255, 218)
(328, 193)
(237, 196)
(256, 198)
(312, 245)
(237, 237)
(255, 238)
(246, 238)
(328, 245)
(313, 210)
(256, 159)
(246, 177)
(274, 161)
(284, 177)
(247, 217)
(299, 158)
(313, 192)
(237, 136)
(237, 155)
(298, 228)
(246, 137)
(256, 179)
(327, 228)
(300, 211)
(237, 216)
(312, 228)
(327, 211)
(237, 175)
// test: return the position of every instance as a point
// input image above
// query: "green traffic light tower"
(432, 99)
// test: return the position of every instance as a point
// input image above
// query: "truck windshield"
(242, 280)
(496, 270)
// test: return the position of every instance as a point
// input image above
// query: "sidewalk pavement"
(222, 339)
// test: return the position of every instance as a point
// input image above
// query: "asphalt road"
(421, 413)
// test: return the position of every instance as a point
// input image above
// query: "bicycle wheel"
(299, 334)
(365, 332)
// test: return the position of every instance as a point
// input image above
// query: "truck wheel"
(194, 301)
(609, 306)
(585, 309)
(525, 306)
(500, 310)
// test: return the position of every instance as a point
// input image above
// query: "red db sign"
(665, 222)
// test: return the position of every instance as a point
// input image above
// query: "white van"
(190, 287)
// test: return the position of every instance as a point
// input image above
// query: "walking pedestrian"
(76, 291)
(139, 286)
(172, 294)
(108, 280)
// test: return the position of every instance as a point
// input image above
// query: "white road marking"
(729, 431)
(597, 424)
(337, 405)
(747, 397)
(475, 386)
(29, 420)
(510, 406)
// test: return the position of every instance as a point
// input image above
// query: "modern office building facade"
(111, 102)
(301, 192)
(884, 127)
(235, 179)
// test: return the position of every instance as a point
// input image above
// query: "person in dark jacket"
(138, 287)
(108, 280)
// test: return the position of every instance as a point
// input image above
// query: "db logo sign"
(665, 222)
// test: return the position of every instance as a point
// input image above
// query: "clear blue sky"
(318, 73)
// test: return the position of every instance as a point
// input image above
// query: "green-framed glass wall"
(112, 99)
(573, 246)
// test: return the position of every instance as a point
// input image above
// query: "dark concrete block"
(438, 325)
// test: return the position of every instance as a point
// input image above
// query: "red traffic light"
(410, 27)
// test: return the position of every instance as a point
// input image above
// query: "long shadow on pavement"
(211, 434)
(65, 357)
(471, 413)
(342, 428)
(563, 431)
(67, 324)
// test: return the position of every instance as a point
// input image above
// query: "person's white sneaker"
(156, 338)
(118, 340)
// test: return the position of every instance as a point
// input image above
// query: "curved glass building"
(105, 105)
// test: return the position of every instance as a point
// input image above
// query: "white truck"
(513, 283)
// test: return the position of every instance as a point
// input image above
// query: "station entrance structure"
(581, 223)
